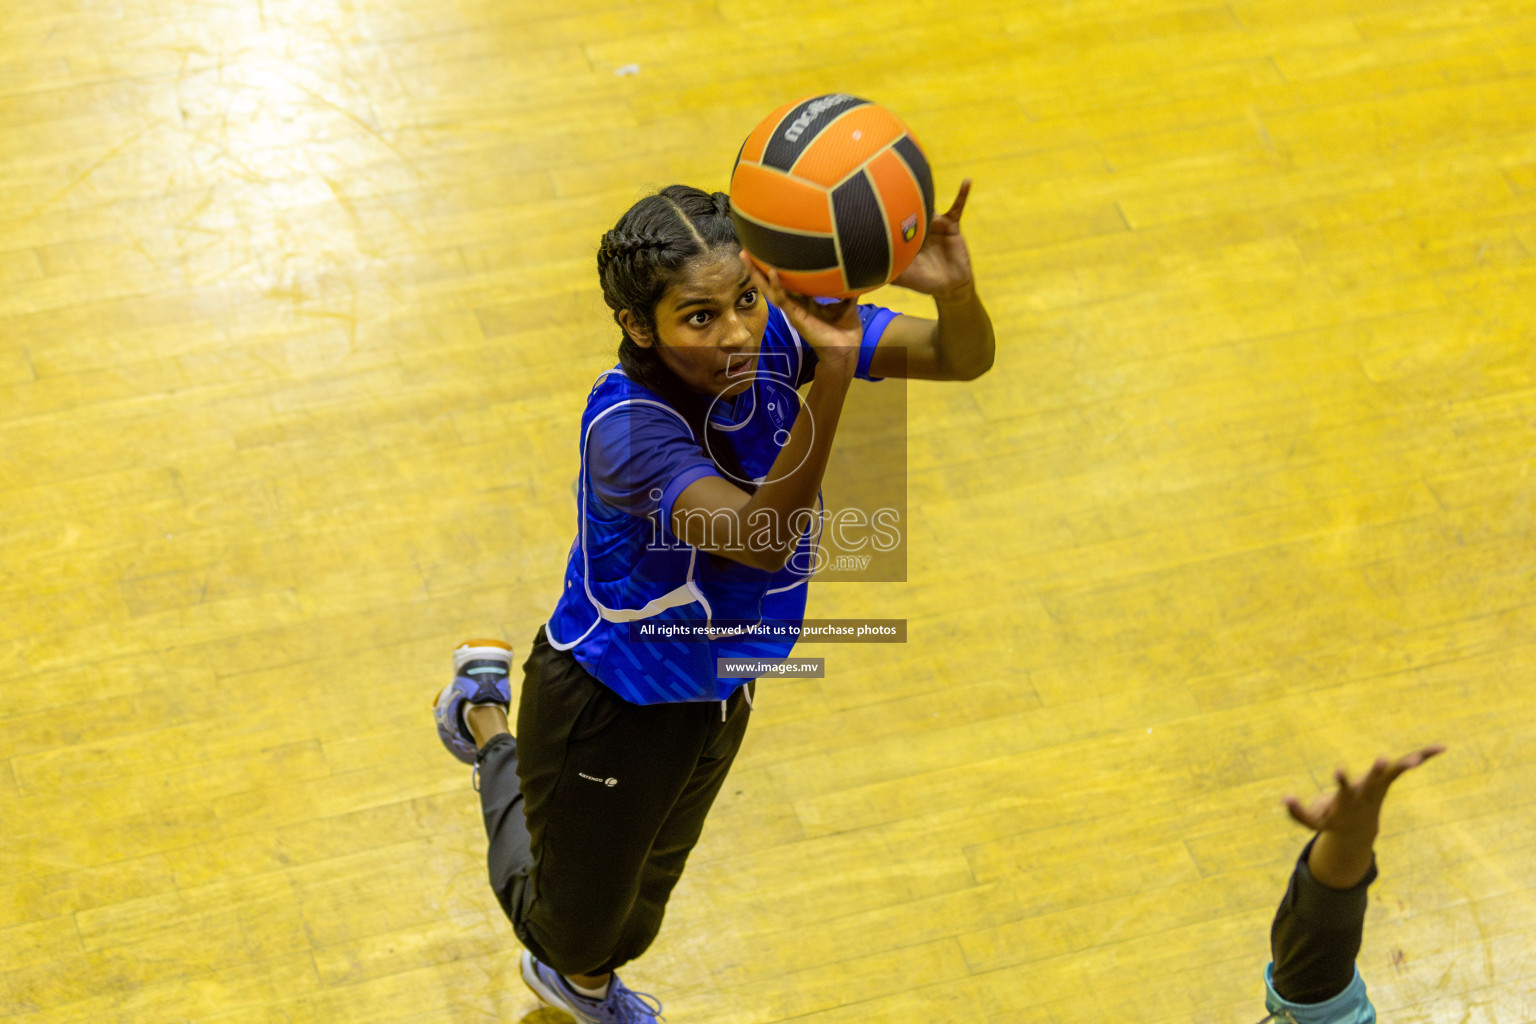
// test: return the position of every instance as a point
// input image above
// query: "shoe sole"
(546, 995)
(470, 650)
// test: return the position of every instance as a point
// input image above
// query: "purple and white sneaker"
(480, 676)
(620, 1006)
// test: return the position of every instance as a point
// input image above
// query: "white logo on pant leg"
(609, 782)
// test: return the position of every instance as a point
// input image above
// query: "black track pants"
(592, 811)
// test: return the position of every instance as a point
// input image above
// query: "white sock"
(598, 994)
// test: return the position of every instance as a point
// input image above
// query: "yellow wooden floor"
(298, 314)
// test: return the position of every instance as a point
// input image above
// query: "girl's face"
(709, 324)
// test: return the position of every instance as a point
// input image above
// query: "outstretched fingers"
(1312, 817)
(958, 206)
(1410, 760)
(1418, 757)
(1359, 800)
(1385, 771)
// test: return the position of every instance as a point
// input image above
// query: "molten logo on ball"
(812, 112)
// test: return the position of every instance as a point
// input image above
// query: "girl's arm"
(958, 345)
(763, 529)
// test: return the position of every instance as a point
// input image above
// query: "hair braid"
(619, 243)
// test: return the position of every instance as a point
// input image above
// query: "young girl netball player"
(1316, 935)
(695, 505)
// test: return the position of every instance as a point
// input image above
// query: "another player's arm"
(1314, 951)
(1347, 820)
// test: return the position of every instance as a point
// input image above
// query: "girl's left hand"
(942, 266)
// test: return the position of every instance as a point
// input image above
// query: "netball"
(834, 193)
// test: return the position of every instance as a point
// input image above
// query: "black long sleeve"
(1316, 935)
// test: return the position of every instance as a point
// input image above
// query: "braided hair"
(644, 255)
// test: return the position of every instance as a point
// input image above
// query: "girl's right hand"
(834, 330)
